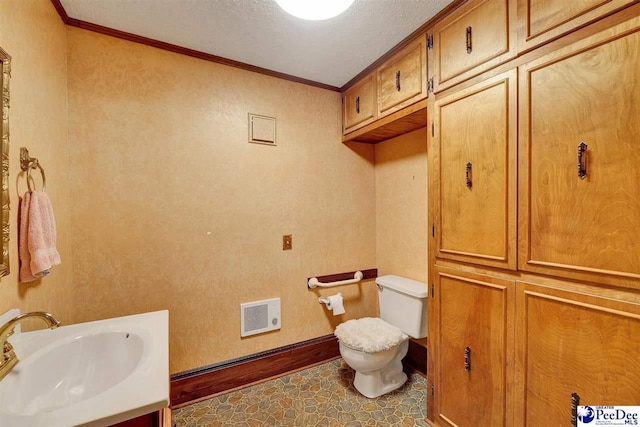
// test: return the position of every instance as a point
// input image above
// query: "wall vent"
(259, 316)
(262, 129)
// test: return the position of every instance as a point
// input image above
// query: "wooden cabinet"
(402, 80)
(390, 101)
(580, 106)
(542, 20)
(475, 173)
(574, 322)
(359, 104)
(161, 418)
(472, 39)
(573, 342)
(475, 349)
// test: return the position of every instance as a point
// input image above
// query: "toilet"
(374, 347)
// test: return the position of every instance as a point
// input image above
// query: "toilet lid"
(369, 334)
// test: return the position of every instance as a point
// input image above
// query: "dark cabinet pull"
(469, 41)
(468, 177)
(582, 160)
(358, 104)
(398, 81)
(575, 402)
(467, 359)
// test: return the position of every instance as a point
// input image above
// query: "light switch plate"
(287, 242)
(262, 129)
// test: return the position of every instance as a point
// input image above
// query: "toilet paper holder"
(338, 308)
(326, 301)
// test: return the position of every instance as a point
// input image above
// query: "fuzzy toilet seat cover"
(369, 334)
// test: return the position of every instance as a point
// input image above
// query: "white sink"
(91, 374)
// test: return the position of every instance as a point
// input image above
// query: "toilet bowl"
(374, 347)
(376, 373)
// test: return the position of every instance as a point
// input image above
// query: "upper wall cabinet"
(544, 20)
(390, 101)
(359, 104)
(475, 37)
(579, 106)
(402, 80)
(474, 163)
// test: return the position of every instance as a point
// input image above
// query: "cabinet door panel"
(359, 103)
(476, 317)
(475, 143)
(587, 93)
(574, 343)
(543, 20)
(473, 39)
(402, 80)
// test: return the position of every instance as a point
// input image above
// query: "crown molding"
(73, 22)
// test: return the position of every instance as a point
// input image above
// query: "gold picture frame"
(5, 64)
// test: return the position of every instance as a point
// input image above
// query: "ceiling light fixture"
(314, 10)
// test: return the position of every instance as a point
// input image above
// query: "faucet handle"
(5, 336)
(7, 352)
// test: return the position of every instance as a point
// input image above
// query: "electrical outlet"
(287, 242)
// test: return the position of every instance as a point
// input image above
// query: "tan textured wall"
(401, 205)
(172, 208)
(160, 160)
(33, 34)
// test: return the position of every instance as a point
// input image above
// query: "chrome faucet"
(9, 359)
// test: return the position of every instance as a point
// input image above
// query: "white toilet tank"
(403, 303)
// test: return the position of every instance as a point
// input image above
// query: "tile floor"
(319, 396)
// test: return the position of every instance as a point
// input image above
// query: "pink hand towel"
(42, 234)
(23, 245)
(38, 231)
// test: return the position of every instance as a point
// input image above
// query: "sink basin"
(92, 374)
(89, 365)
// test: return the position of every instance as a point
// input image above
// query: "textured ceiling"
(258, 32)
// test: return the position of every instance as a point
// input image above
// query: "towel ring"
(36, 165)
(27, 163)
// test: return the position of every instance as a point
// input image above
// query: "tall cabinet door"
(571, 342)
(475, 349)
(580, 159)
(475, 177)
